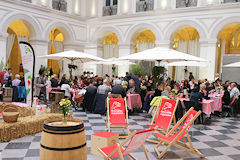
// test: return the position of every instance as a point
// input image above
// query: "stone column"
(3, 45)
(124, 50)
(100, 8)
(40, 49)
(208, 52)
(173, 4)
(95, 50)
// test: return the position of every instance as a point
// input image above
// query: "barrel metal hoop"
(62, 133)
(70, 128)
(63, 149)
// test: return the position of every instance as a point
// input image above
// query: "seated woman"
(196, 97)
(226, 96)
(66, 87)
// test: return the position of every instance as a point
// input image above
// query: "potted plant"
(64, 106)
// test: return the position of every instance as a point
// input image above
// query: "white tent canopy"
(162, 54)
(112, 61)
(72, 56)
(236, 64)
(187, 63)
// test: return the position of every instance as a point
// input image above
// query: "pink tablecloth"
(208, 106)
(218, 103)
(134, 101)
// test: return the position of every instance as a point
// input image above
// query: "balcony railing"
(145, 5)
(110, 10)
(231, 1)
(60, 5)
(186, 3)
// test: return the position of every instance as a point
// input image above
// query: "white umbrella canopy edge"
(72, 56)
(188, 63)
(236, 64)
(111, 61)
(161, 54)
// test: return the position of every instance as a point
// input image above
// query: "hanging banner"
(28, 61)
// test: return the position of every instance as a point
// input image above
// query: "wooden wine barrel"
(63, 142)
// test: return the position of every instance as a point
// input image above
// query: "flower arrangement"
(64, 106)
(174, 91)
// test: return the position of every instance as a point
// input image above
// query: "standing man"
(16, 81)
(8, 74)
(2, 73)
(234, 93)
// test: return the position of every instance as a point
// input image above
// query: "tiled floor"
(220, 140)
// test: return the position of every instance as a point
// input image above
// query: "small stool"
(102, 139)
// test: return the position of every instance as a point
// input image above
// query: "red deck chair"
(137, 141)
(174, 140)
(117, 114)
(166, 114)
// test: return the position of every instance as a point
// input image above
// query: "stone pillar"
(173, 4)
(95, 50)
(100, 8)
(40, 49)
(124, 50)
(3, 45)
(208, 2)
(208, 52)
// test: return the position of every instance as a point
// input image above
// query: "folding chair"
(117, 114)
(117, 150)
(174, 139)
(228, 109)
(166, 114)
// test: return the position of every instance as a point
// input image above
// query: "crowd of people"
(195, 90)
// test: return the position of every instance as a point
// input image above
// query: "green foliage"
(46, 70)
(157, 72)
(64, 106)
(3, 65)
(138, 70)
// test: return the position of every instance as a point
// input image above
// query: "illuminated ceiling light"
(76, 7)
(164, 4)
(44, 2)
(209, 1)
(125, 6)
(93, 12)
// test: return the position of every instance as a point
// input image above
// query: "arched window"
(60, 5)
(110, 8)
(144, 5)
(108, 2)
(186, 3)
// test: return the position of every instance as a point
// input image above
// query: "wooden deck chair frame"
(118, 149)
(178, 144)
(117, 127)
(163, 130)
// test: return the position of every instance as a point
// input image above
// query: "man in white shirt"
(234, 91)
(16, 81)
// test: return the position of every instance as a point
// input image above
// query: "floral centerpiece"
(218, 88)
(174, 91)
(64, 106)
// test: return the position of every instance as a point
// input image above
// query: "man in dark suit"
(118, 89)
(54, 81)
(89, 96)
